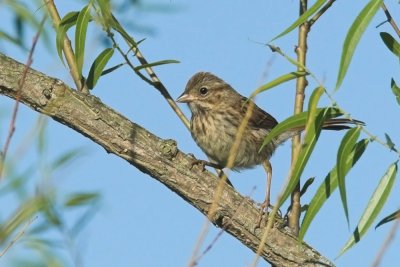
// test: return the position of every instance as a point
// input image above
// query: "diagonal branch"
(67, 48)
(390, 19)
(156, 157)
(320, 13)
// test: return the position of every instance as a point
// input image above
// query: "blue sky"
(140, 221)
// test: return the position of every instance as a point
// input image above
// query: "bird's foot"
(203, 164)
(264, 212)
(265, 207)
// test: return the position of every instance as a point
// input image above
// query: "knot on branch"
(47, 93)
(168, 148)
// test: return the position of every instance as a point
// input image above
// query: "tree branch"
(390, 19)
(320, 13)
(301, 84)
(156, 157)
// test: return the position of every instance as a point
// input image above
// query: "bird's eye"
(203, 90)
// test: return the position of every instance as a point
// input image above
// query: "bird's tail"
(331, 124)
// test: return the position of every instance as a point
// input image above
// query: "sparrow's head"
(205, 91)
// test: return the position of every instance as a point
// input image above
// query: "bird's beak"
(184, 98)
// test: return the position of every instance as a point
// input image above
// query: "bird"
(217, 111)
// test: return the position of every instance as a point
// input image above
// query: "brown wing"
(260, 118)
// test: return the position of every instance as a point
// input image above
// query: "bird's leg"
(222, 174)
(268, 169)
(266, 204)
(204, 163)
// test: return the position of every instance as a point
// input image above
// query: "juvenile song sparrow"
(217, 112)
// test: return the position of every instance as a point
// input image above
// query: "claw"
(204, 163)
(198, 162)
(264, 210)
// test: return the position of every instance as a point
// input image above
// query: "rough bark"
(160, 159)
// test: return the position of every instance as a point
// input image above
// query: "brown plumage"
(217, 111)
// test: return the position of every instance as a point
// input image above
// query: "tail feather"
(340, 124)
(331, 124)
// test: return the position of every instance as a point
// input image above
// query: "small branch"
(21, 81)
(161, 88)
(126, 58)
(390, 19)
(153, 81)
(67, 49)
(301, 84)
(320, 13)
(18, 236)
(219, 234)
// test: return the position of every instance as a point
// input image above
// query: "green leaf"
(51, 213)
(23, 215)
(19, 27)
(80, 199)
(67, 22)
(298, 120)
(353, 37)
(395, 90)
(158, 63)
(293, 61)
(98, 66)
(15, 41)
(303, 18)
(312, 107)
(343, 166)
(389, 142)
(391, 43)
(40, 228)
(315, 120)
(66, 158)
(374, 206)
(105, 10)
(327, 187)
(391, 217)
(306, 185)
(83, 220)
(80, 37)
(25, 14)
(107, 71)
(42, 139)
(281, 79)
(117, 26)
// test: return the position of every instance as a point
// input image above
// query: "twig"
(390, 19)
(320, 13)
(11, 128)
(219, 234)
(126, 58)
(301, 84)
(67, 48)
(18, 236)
(153, 81)
(386, 243)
